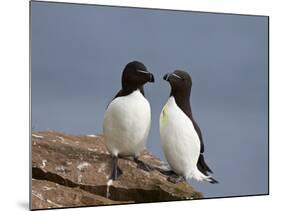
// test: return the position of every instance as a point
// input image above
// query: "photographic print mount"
(68, 162)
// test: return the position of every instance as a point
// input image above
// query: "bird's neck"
(129, 89)
(183, 102)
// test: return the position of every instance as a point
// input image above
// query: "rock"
(70, 171)
(46, 194)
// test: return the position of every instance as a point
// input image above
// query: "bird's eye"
(174, 74)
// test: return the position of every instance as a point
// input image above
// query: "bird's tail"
(202, 165)
(198, 175)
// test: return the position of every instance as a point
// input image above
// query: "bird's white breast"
(126, 124)
(180, 142)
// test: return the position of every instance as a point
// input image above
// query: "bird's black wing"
(119, 94)
(201, 164)
(198, 131)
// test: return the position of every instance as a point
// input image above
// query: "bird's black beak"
(151, 78)
(147, 75)
(166, 77)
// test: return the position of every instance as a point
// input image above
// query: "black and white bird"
(128, 117)
(180, 135)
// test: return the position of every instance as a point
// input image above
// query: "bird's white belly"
(126, 124)
(180, 142)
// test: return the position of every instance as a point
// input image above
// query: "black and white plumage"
(181, 137)
(128, 116)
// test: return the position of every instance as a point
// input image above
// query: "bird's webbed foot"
(142, 165)
(174, 178)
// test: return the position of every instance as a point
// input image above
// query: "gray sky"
(79, 52)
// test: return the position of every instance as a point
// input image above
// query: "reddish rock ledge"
(72, 171)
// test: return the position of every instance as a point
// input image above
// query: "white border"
(238, 6)
(14, 116)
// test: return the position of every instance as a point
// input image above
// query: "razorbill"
(180, 135)
(127, 118)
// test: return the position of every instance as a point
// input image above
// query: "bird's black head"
(180, 82)
(135, 75)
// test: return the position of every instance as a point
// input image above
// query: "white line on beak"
(142, 71)
(176, 76)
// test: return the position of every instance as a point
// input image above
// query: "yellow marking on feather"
(164, 115)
